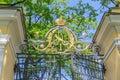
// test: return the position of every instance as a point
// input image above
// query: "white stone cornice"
(11, 22)
(7, 13)
(110, 21)
(6, 16)
(103, 28)
(114, 18)
(116, 43)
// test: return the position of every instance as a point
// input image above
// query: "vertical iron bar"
(86, 65)
(18, 70)
(72, 65)
(103, 71)
(42, 76)
(59, 67)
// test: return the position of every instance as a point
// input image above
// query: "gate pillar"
(12, 35)
(107, 37)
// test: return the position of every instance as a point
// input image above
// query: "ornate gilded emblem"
(59, 39)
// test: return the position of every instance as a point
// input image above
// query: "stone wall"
(11, 24)
(108, 38)
(8, 64)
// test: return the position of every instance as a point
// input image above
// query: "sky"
(96, 5)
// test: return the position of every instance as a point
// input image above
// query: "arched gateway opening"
(58, 57)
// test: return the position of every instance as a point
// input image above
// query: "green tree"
(107, 3)
(41, 15)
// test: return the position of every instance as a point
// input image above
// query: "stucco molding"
(4, 39)
(9, 42)
(103, 29)
(13, 51)
(115, 43)
(110, 21)
(11, 22)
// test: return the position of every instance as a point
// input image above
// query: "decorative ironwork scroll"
(59, 39)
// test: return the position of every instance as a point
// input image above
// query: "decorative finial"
(60, 21)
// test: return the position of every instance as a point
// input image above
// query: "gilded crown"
(60, 22)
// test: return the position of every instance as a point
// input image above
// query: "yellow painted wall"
(110, 66)
(118, 65)
(8, 64)
(13, 25)
(108, 31)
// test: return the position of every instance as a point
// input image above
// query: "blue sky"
(96, 5)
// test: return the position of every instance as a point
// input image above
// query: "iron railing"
(58, 67)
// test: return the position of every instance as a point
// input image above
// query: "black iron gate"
(58, 67)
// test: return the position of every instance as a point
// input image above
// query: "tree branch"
(113, 2)
(18, 2)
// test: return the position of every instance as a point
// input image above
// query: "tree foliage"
(40, 15)
(107, 3)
